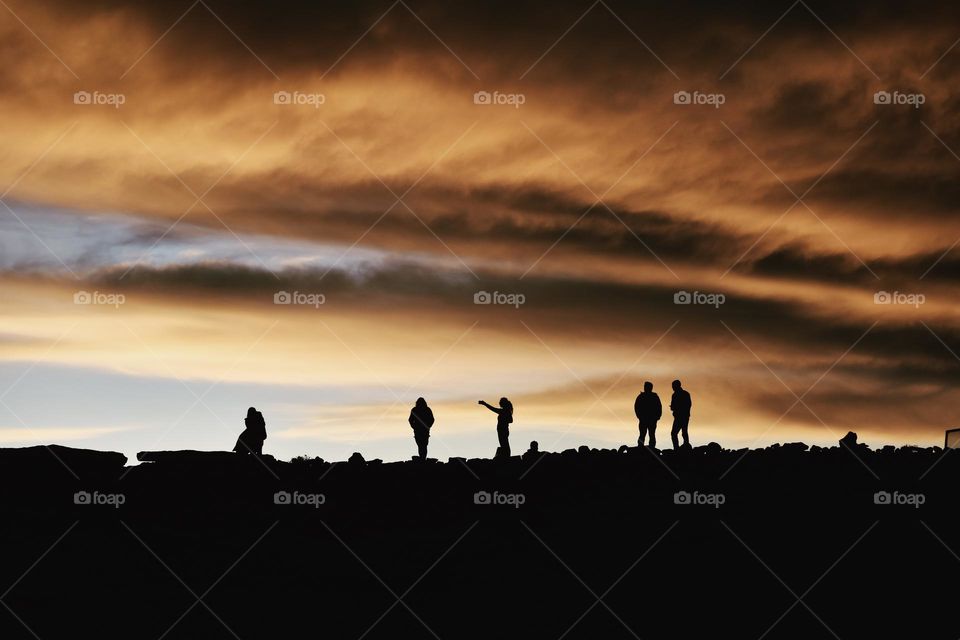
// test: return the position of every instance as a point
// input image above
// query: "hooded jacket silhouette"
(421, 419)
(252, 437)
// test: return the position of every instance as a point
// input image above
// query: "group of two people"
(649, 410)
(421, 419)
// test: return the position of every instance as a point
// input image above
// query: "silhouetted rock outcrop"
(191, 457)
(849, 440)
(56, 458)
(491, 533)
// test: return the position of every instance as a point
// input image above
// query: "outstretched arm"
(490, 406)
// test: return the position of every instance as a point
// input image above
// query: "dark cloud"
(787, 333)
(291, 34)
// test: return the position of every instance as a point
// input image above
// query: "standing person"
(421, 419)
(648, 409)
(680, 404)
(504, 418)
(251, 440)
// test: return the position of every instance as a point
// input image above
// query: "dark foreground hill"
(774, 543)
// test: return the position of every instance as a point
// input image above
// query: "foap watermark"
(299, 99)
(898, 97)
(99, 298)
(300, 298)
(499, 297)
(298, 499)
(915, 500)
(515, 500)
(496, 98)
(699, 297)
(711, 99)
(99, 99)
(95, 498)
(715, 500)
(899, 297)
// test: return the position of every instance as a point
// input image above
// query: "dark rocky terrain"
(783, 542)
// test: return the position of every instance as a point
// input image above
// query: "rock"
(187, 456)
(56, 458)
(202, 459)
(849, 440)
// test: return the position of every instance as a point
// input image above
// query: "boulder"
(55, 458)
(190, 457)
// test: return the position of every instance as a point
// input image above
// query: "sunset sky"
(184, 162)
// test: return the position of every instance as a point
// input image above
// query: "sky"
(327, 210)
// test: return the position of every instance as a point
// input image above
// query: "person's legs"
(674, 431)
(422, 438)
(653, 435)
(643, 434)
(686, 423)
(504, 436)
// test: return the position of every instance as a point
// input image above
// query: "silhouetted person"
(648, 409)
(421, 419)
(680, 404)
(504, 418)
(251, 440)
(533, 452)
